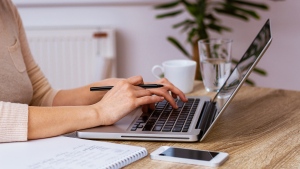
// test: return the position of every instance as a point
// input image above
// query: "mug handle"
(157, 67)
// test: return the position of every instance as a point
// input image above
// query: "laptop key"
(161, 122)
(167, 128)
(185, 130)
(176, 129)
(140, 126)
(170, 123)
(180, 103)
(157, 128)
(147, 128)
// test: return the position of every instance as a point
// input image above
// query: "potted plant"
(205, 17)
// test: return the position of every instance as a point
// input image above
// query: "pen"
(145, 86)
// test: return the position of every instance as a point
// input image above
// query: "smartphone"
(189, 156)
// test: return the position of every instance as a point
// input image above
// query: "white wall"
(141, 39)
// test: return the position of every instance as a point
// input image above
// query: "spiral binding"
(126, 160)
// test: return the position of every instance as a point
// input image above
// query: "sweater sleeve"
(43, 93)
(14, 116)
(13, 122)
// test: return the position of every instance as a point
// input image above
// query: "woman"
(31, 109)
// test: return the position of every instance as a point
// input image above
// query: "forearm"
(52, 121)
(77, 97)
(82, 95)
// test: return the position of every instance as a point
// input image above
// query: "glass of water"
(215, 62)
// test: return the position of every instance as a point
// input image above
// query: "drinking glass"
(215, 62)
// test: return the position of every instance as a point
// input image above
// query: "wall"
(141, 39)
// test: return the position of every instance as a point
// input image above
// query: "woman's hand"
(123, 98)
(166, 90)
(126, 96)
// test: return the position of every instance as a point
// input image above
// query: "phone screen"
(189, 154)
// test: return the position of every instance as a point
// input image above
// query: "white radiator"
(73, 57)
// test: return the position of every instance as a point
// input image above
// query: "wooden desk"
(259, 129)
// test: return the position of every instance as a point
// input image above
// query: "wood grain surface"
(259, 129)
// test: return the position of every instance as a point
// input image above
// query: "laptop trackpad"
(126, 121)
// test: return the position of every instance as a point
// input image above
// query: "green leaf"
(186, 22)
(252, 4)
(250, 82)
(167, 5)
(249, 12)
(179, 46)
(218, 28)
(230, 8)
(232, 13)
(260, 71)
(191, 35)
(186, 28)
(211, 18)
(195, 9)
(170, 14)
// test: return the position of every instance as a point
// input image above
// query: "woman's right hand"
(123, 98)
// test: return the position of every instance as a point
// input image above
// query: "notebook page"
(67, 153)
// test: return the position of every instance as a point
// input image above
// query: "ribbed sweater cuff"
(13, 122)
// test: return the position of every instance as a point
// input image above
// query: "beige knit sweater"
(22, 83)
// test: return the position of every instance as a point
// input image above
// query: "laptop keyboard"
(166, 119)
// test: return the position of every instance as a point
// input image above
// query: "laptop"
(193, 120)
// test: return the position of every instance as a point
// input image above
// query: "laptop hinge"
(206, 117)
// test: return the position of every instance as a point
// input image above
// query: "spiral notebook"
(68, 153)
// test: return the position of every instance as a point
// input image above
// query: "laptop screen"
(244, 67)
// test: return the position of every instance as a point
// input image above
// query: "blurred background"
(139, 39)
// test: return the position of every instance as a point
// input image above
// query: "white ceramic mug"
(179, 72)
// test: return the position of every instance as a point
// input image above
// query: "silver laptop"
(195, 118)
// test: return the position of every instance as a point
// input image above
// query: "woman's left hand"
(168, 91)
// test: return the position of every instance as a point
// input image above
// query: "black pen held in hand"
(145, 86)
